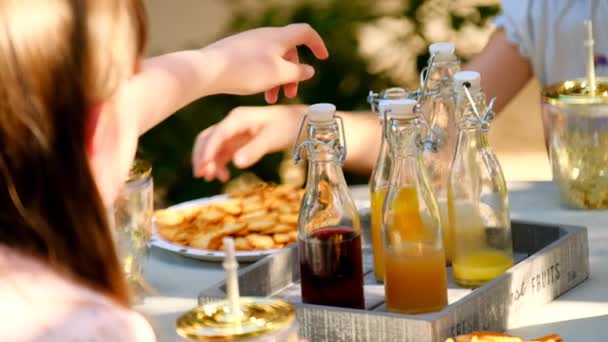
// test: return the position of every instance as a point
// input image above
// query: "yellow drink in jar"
(446, 229)
(416, 279)
(377, 202)
(477, 268)
(474, 262)
(407, 224)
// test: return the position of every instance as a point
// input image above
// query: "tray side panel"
(320, 324)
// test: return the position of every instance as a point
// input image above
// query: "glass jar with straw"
(576, 116)
(238, 318)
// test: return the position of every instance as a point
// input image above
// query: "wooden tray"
(551, 259)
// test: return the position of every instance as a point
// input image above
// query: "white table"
(579, 315)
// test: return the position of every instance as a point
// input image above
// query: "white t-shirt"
(551, 34)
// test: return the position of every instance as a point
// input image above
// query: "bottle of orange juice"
(478, 206)
(379, 180)
(415, 278)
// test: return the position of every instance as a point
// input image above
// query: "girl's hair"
(58, 59)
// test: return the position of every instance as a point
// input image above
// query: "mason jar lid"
(575, 93)
(213, 322)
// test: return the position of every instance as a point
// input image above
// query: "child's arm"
(248, 133)
(504, 71)
(260, 60)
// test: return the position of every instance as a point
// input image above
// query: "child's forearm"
(504, 71)
(169, 82)
(362, 141)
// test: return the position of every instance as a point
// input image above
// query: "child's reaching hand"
(265, 59)
(255, 61)
(243, 137)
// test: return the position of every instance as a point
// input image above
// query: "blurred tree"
(373, 45)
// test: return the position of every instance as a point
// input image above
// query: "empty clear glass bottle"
(329, 230)
(440, 135)
(477, 194)
(415, 277)
(380, 178)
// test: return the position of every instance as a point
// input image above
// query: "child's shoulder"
(39, 304)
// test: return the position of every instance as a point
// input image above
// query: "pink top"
(37, 304)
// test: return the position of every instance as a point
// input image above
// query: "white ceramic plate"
(204, 254)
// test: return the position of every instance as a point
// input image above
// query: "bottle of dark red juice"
(329, 232)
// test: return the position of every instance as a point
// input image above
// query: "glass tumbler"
(133, 211)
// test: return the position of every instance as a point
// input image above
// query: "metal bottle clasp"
(488, 115)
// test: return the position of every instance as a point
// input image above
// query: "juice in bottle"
(377, 202)
(407, 223)
(330, 268)
(480, 266)
(475, 263)
(416, 279)
(407, 226)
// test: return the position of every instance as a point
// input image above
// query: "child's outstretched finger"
(198, 152)
(272, 96)
(304, 34)
(291, 89)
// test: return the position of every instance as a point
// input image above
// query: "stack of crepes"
(261, 217)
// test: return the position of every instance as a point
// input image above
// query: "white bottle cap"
(402, 108)
(471, 79)
(321, 112)
(442, 51)
(383, 106)
(443, 48)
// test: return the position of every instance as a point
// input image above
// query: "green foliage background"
(344, 79)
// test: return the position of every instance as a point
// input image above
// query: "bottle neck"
(403, 137)
(383, 142)
(324, 143)
(471, 138)
(325, 171)
(323, 153)
(466, 118)
(441, 74)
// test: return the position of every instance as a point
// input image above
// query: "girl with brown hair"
(74, 97)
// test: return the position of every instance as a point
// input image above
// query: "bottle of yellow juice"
(415, 278)
(379, 180)
(478, 207)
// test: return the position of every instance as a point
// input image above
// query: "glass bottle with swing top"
(329, 230)
(439, 137)
(415, 278)
(478, 205)
(380, 177)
